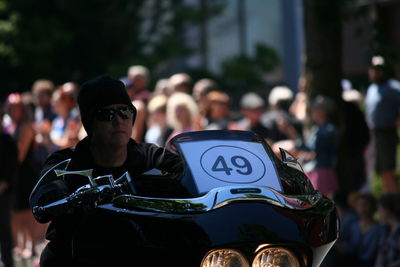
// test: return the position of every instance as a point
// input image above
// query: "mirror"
(290, 161)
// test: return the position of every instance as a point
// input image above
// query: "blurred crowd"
(45, 119)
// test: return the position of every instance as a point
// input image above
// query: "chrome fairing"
(217, 198)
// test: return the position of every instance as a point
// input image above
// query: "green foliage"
(243, 72)
(75, 40)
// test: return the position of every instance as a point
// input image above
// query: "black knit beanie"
(98, 93)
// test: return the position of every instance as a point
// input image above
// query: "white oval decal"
(232, 164)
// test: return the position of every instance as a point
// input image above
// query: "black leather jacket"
(141, 157)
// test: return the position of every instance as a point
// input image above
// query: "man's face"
(112, 125)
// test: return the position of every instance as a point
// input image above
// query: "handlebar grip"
(38, 212)
(44, 213)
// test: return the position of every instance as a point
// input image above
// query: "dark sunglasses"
(109, 114)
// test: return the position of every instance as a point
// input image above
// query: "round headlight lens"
(275, 257)
(224, 258)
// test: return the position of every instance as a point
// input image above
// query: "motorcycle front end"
(235, 204)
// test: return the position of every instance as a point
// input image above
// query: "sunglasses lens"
(106, 115)
(109, 114)
(125, 113)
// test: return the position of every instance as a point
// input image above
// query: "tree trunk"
(323, 43)
(323, 71)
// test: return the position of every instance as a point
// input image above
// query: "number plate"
(220, 163)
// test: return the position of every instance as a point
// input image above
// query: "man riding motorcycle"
(108, 116)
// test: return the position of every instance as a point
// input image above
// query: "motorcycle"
(235, 204)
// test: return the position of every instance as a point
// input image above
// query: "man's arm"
(53, 188)
(162, 159)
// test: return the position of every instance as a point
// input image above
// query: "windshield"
(225, 158)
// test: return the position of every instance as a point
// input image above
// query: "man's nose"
(118, 119)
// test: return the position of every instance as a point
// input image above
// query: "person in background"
(349, 94)
(137, 89)
(252, 108)
(161, 87)
(42, 91)
(382, 109)
(355, 140)
(200, 90)
(140, 78)
(282, 124)
(180, 82)
(338, 255)
(365, 233)
(389, 215)
(157, 130)
(181, 109)
(319, 150)
(298, 108)
(217, 112)
(8, 176)
(18, 122)
(66, 126)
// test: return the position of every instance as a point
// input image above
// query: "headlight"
(224, 258)
(275, 257)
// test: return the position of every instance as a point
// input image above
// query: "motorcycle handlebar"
(86, 198)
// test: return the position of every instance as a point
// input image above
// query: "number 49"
(241, 164)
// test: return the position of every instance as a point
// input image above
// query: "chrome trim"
(217, 198)
(87, 173)
(42, 178)
(290, 161)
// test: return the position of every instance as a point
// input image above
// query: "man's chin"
(119, 140)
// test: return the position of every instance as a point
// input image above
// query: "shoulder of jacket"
(62, 154)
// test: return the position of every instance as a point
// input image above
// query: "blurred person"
(200, 90)
(382, 109)
(298, 108)
(158, 129)
(365, 233)
(252, 108)
(319, 149)
(140, 77)
(140, 127)
(217, 112)
(389, 216)
(161, 87)
(18, 122)
(44, 115)
(282, 124)
(350, 94)
(137, 89)
(8, 176)
(42, 91)
(338, 255)
(180, 82)
(355, 139)
(66, 126)
(181, 109)
(130, 89)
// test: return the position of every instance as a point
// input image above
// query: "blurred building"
(245, 23)
(368, 26)
(373, 27)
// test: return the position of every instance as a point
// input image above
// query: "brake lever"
(88, 196)
(85, 197)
